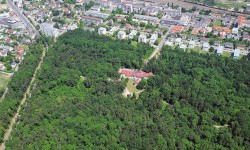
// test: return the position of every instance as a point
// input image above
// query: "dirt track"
(14, 118)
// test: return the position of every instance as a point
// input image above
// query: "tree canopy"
(193, 101)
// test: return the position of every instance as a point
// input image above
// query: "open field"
(218, 23)
(4, 79)
(131, 89)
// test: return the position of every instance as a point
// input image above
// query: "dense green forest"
(193, 101)
(18, 85)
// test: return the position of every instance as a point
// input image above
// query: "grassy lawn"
(107, 12)
(134, 43)
(226, 54)
(131, 87)
(195, 49)
(39, 3)
(238, 5)
(148, 53)
(159, 40)
(218, 23)
(4, 79)
(241, 56)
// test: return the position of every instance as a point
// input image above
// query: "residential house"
(183, 46)
(126, 6)
(241, 47)
(191, 44)
(168, 43)
(219, 50)
(153, 38)
(241, 20)
(112, 30)
(216, 43)
(8, 40)
(195, 31)
(102, 30)
(25, 41)
(246, 37)
(176, 29)
(49, 29)
(10, 31)
(183, 36)
(172, 35)
(132, 34)
(204, 40)
(6, 48)
(222, 29)
(96, 14)
(104, 3)
(146, 18)
(246, 23)
(79, 2)
(178, 41)
(229, 45)
(13, 64)
(235, 31)
(142, 38)
(66, 11)
(3, 53)
(121, 35)
(18, 57)
(236, 54)
(205, 46)
(90, 20)
(2, 67)
(248, 8)
(96, 8)
(19, 49)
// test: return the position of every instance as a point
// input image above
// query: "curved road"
(159, 47)
(24, 19)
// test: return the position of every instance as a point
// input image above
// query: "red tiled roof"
(176, 29)
(195, 31)
(135, 73)
(17, 48)
(136, 81)
(224, 29)
(18, 57)
(241, 20)
(126, 72)
(141, 74)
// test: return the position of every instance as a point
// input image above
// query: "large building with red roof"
(137, 75)
(241, 20)
(176, 29)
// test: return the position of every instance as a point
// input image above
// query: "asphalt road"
(4, 22)
(158, 48)
(24, 19)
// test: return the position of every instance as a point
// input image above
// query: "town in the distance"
(223, 32)
(220, 32)
(176, 59)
